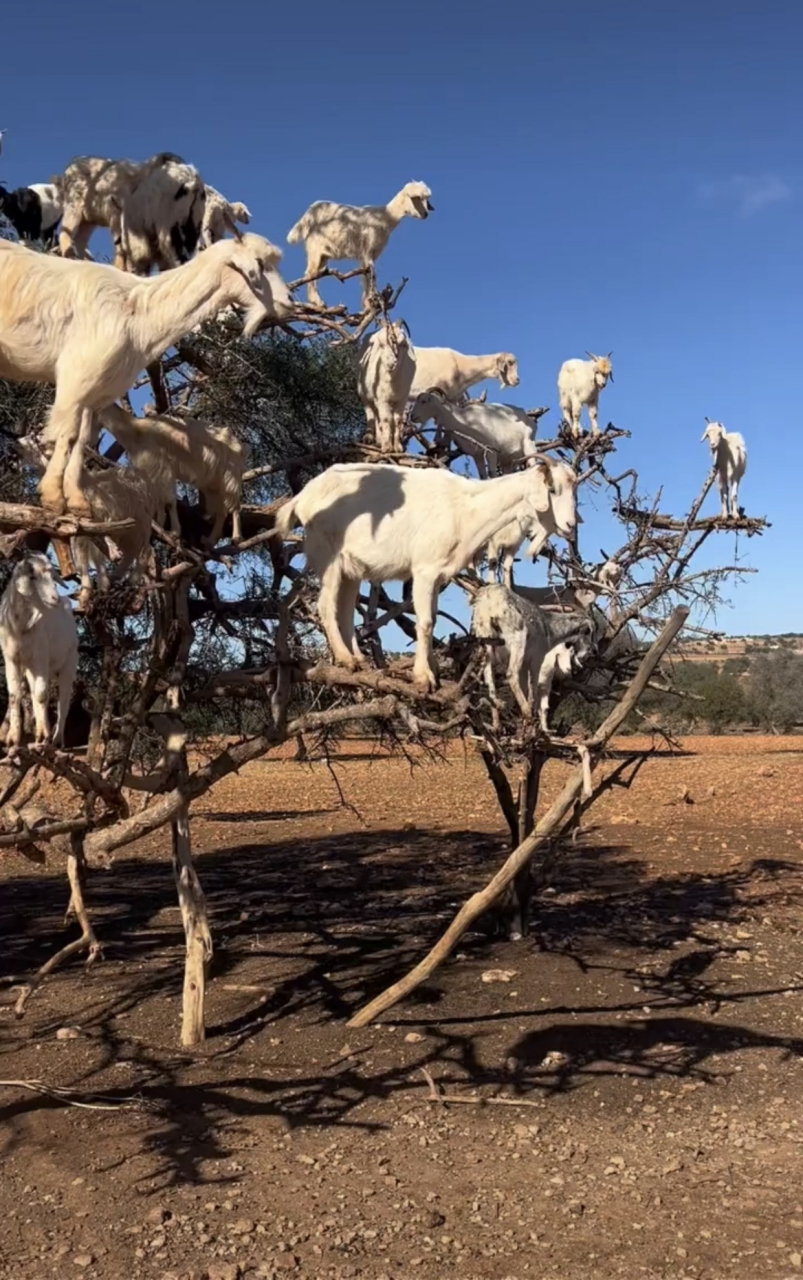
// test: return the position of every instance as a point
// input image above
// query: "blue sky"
(623, 177)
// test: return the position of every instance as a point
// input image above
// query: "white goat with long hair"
(354, 233)
(452, 373)
(165, 448)
(579, 383)
(729, 452)
(40, 643)
(220, 215)
(90, 329)
(384, 377)
(388, 523)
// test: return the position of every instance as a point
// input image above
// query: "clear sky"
(625, 176)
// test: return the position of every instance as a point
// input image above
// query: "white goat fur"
(355, 233)
(40, 643)
(167, 448)
(453, 373)
(494, 435)
(730, 459)
(384, 377)
(159, 223)
(90, 329)
(528, 636)
(388, 523)
(220, 215)
(579, 383)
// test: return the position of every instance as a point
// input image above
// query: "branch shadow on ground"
(311, 928)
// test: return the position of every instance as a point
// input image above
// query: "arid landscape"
(625, 1084)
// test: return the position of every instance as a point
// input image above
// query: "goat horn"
(232, 226)
(544, 466)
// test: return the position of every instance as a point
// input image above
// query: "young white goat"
(385, 373)
(529, 635)
(730, 459)
(220, 216)
(452, 373)
(90, 329)
(158, 225)
(579, 383)
(388, 523)
(40, 643)
(355, 233)
(494, 435)
(165, 449)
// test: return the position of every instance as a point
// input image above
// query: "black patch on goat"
(23, 208)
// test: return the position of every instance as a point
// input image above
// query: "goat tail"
(297, 233)
(285, 519)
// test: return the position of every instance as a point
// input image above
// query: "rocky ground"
(618, 1096)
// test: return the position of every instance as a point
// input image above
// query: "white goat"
(39, 642)
(388, 523)
(579, 383)
(94, 190)
(730, 459)
(90, 329)
(493, 435)
(452, 373)
(159, 223)
(220, 216)
(387, 365)
(355, 233)
(165, 449)
(528, 636)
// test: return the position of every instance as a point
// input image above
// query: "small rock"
(434, 1219)
(69, 1033)
(83, 1259)
(157, 1216)
(499, 975)
(223, 1271)
(413, 1037)
(242, 1227)
(796, 1259)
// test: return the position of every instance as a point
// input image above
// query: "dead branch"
(548, 826)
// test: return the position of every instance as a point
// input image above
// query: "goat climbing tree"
(228, 644)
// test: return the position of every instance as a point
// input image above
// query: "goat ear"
(232, 227)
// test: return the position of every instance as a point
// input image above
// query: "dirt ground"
(650, 1035)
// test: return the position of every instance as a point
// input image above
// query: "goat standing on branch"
(40, 643)
(730, 459)
(354, 233)
(579, 383)
(452, 373)
(384, 377)
(388, 523)
(220, 216)
(165, 449)
(91, 329)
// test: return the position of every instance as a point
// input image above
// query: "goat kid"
(39, 640)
